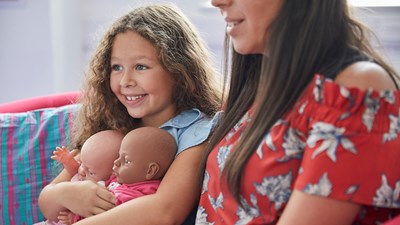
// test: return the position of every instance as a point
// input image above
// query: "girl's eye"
(91, 173)
(127, 162)
(116, 67)
(141, 67)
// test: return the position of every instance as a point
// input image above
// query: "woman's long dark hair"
(307, 37)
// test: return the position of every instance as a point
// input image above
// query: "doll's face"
(145, 154)
(92, 169)
(98, 154)
(130, 167)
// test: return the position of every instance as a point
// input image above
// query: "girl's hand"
(87, 198)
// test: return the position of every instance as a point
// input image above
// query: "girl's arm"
(177, 195)
(84, 198)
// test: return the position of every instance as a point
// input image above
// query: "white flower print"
(331, 138)
(216, 203)
(206, 179)
(352, 189)
(323, 188)
(201, 217)
(237, 126)
(293, 144)
(388, 95)
(386, 196)
(268, 142)
(268, 139)
(372, 107)
(223, 153)
(318, 97)
(247, 214)
(394, 129)
(302, 108)
(276, 188)
(345, 92)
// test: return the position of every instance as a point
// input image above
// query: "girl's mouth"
(134, 98)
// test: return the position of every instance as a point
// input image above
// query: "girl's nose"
(127, 79)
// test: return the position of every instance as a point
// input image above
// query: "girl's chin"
(135, 115)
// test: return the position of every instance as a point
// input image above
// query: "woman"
(310, 131)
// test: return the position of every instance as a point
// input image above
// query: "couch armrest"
(48, 101)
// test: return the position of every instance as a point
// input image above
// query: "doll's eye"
(91, 173)
(127, 162)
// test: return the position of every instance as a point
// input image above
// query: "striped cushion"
(26, 143)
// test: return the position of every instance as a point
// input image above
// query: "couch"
(30, 129)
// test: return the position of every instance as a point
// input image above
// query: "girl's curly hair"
(181, 51)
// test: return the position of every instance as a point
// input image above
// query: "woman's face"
(139, 80)
(248, 22)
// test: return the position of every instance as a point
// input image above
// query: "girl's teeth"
(132, 98)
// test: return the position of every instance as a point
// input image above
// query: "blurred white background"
(45, 45)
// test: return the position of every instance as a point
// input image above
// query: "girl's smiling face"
(139, 80)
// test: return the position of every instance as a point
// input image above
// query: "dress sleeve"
(352, 144)
(190, 128)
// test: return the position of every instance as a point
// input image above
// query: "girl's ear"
(152, 170)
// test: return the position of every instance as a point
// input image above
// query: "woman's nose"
(219, 3)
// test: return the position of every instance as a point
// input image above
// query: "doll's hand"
(66, 217)
(66, 157)
(62, 155)
(87, 198)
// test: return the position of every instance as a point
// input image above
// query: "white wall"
(25, 53)
(45, 45)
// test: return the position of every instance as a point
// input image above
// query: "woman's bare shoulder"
(364, 75)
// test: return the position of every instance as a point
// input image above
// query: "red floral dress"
(340, 143)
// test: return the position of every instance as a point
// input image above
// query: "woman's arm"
(305, 209)
(308, 209)
(365, 75)
(177, 195)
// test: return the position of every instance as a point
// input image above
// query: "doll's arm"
(66, 157)
(66, 217)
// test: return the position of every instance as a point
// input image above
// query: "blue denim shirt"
(189, 128)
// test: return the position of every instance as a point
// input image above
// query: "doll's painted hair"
(182, 53)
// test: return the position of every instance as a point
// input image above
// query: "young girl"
(150, 69)
(311, 128)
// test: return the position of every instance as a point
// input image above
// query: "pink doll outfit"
(126, 192)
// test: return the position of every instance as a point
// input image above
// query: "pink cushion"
(48, 101)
